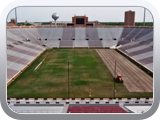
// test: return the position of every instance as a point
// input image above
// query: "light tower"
(55, 16)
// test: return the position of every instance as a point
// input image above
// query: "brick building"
(129, 18)
(79, 21)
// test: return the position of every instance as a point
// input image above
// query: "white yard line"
(39, 64)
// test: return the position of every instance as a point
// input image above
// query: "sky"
(102, 14)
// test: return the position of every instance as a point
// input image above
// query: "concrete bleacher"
(16, 32)
(73, 37)
(93, 38)
(76, 37)
(150, 66)
(66, 43)
(95, 44)
(80, 38)
(108, 35)
(26, 33)
(11, 73)
(80, 33)
(50, 33)
(44, 32)
(141, 50)
(104, 33)
(50, 43)
(116, 32)
(133, 34)
(143, 55)
(17, 60)
(68, 35)
(34, 32)
(81, 43)
(126, 32)
(23, 34)
(138, 108)
(30, 36)
(20, 53)
(51, 36)
(34, 108)
(11, 36)
(92, 34)
(143, 32)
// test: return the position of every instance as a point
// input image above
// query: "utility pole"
(68, 81)
(16, 16)
(144, 16)
(114, 81)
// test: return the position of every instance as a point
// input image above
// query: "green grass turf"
(87, 73)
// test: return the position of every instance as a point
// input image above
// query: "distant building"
(12, 22)
(79, 21)
(129, 18)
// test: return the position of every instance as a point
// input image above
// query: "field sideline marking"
(39, 64)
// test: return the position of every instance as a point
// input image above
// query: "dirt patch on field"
(134, 78)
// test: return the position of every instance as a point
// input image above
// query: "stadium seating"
(132, 34)
(21, 108)
(141, 51)
(25, 44)
(144, 31)
(20, 53)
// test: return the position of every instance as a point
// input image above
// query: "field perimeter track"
(134, 78)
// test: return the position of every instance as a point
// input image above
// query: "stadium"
(80, 67)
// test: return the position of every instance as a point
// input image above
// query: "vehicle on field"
(118, 79)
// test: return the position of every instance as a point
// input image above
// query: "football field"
(68, 73)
